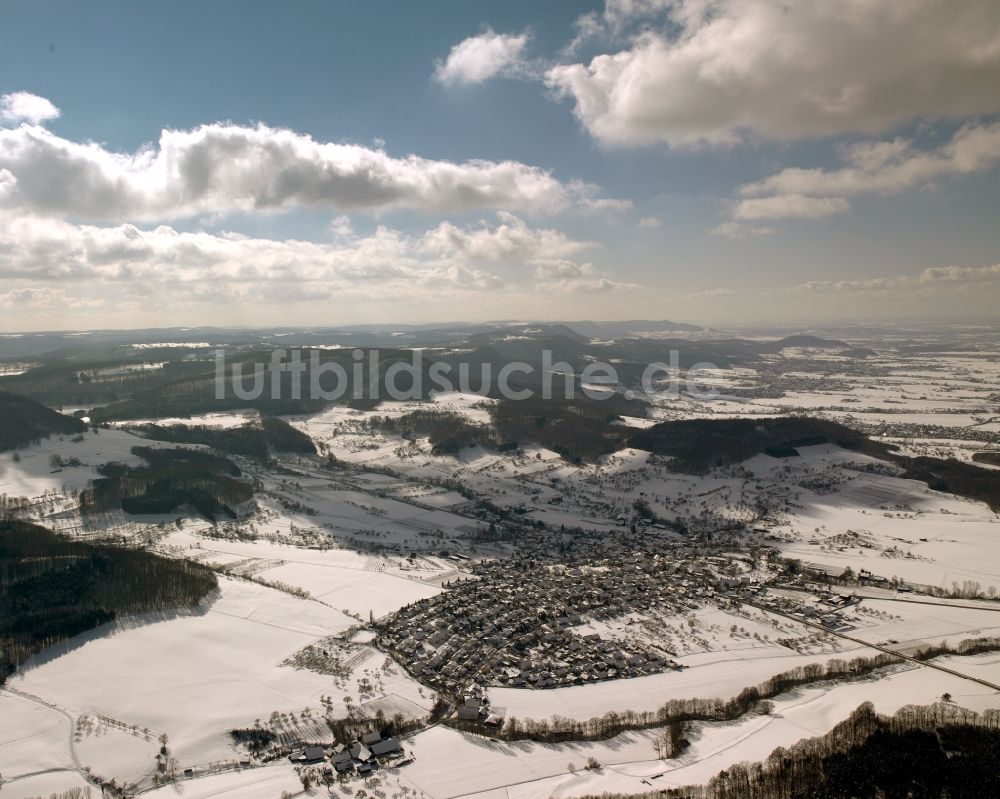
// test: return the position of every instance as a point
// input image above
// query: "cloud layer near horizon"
(386, 265)
(982, 282)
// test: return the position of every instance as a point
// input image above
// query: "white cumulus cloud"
(26, 107)
(881, 167)
(479, 58)
(887, 167)
(512, 239)
(716, 71)
(223, 168)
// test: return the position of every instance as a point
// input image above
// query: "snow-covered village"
(465, 399)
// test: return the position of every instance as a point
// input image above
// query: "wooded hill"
(579, 429)
(698, 445)
(173, 478)
(24, 421)
(447, 432)
(934, 752)
(52, 588)
(256, 440)
(954, 477)
(195, 393)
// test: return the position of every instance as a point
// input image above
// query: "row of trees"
(561, 729)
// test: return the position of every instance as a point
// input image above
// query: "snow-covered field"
(33, 738)
(270, 782)
(196, 676)
(709, 675)
(217, 420)
(800, 714)
(922, 536)
(45, 785)
(449, 764)
(33, 473)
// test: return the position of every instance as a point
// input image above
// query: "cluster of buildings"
(817, 604)
(361, 756)
(516, 622)
(476, 707)
(546, 543)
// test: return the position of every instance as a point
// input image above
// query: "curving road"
(79, 769)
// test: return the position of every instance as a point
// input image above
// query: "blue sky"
(642, 170)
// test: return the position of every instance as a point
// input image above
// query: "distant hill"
(630, 328)
(805, 342)
(23, 421)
